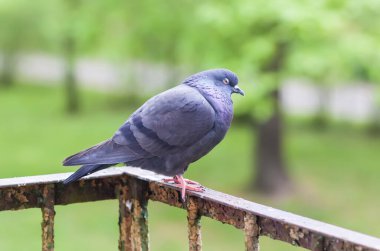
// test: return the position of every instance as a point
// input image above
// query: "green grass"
(336, 175)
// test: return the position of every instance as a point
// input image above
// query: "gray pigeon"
(168, 132)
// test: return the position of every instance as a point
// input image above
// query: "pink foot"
(184, 184)
(175, 180)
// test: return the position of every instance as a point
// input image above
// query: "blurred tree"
(72, 96)
(78, 28)
(271, 176)
(275, 40)
(69, 39)
(360, 47)
(19, 29)
(155, 31)
(343, 48)
(257, 40)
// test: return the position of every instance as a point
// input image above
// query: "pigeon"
(169, 131)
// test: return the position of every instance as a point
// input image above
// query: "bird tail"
(107, 152)
(85, 170)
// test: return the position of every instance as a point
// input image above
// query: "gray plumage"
(170, 131)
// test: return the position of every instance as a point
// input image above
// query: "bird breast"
(222, 104)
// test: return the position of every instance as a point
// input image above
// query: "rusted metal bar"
(252, 232)
(125, 216)
(214, 210)
(303, 237)
(26, 192)
(21, 193)
(139, 203)
(133, 215)
(140, 234)
(48, 213)
(194, 225)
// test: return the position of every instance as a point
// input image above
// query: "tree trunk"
(271, 176)
(7, 71)
(320, 120)
(72, 97)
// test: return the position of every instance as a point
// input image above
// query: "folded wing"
(165, 124)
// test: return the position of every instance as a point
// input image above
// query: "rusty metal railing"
(134, 187)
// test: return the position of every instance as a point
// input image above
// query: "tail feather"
(103, 153)
(85, 170)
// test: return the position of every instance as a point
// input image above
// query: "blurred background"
(305, 138)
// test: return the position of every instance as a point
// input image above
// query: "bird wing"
(168, 122)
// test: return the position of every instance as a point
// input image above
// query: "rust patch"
(125, 217)
(292, 234)
(332, 244)
(165, 195)
(251, 231)
(194, 225)
(48, 214)
(133, 215)
(222, 213)
(15, 198)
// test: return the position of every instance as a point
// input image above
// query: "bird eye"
(226, 81)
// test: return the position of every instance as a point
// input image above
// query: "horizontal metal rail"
(133, 188)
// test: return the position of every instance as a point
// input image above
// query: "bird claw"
(176, 181)
(192, 182)
(185, 184)
(191, 188)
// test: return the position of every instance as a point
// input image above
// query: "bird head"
(222, 78)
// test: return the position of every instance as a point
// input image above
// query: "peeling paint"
(128, 204)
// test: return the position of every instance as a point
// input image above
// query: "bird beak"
(236, 89)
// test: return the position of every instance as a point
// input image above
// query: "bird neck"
(221, 103)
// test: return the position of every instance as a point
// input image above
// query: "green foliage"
(20, 25)
(257, 106)
(20, 29)
(155, 29)
(328, 40)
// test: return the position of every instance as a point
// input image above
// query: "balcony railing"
(134, 187)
